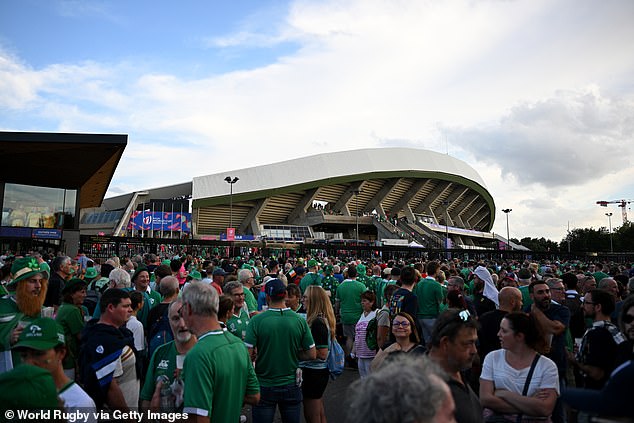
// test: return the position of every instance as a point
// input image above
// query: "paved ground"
(334, 398)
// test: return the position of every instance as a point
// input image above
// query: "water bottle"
(167, 399)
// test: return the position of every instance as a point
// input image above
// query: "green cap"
(361, 269)
(42, 334)
(166, 261)
(91, 273)
(73, 285)
(195, 274)
(29, 387)
(26, 267)
(312, 263)
(246, 266)
(328, 269)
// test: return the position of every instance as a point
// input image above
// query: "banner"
(47, 234)
(231, 234)
(159, 221)
(224, 237)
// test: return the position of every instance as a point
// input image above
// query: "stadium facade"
(380, 195)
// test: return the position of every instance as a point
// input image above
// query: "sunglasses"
(628, 318)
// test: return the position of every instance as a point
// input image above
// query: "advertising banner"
(47, 233)
(231, 234)
(159, 221)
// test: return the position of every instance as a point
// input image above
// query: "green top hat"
(26, 267)
(42, 334)
(328, 269)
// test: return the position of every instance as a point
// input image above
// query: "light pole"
(356, 210)
(508, 237)
(231, 181)
(609, 215)
(446, 204)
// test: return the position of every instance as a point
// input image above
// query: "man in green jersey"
(312, 277)
(348, 305)
(246, 278)
(141, 282)
(218, 373)
(22, 306)
(430, 297)
(330, 283)
(281, 338)
(168, 359)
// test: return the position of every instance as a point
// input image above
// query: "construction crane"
(622, 204)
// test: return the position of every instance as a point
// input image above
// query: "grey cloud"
(566, 140)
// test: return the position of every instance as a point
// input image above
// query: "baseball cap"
(275, 288)
(312, 263)
(614, 400)
(42, 334)
(524, 273)
(28, 387)
(91, 273)
(218, 271)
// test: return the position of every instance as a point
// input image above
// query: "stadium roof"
(393, 180)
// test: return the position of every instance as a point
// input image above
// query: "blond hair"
(319, 306)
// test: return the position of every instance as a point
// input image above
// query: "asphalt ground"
(334, 398)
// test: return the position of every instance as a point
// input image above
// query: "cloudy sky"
(537, 95)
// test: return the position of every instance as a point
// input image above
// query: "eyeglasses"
(628, 318)
(589, 302)
(403, 323)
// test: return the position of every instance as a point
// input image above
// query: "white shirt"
(497, 369)
(136, 328)
(75, 399)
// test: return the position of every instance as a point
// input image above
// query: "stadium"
(381, 196)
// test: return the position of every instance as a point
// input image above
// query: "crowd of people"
(433, 340)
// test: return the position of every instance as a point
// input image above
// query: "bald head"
(510, 299)
(169, 286)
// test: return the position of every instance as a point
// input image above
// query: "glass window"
(38, 207)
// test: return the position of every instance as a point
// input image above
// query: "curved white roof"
(333, 165)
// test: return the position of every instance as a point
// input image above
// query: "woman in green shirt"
(72, 317)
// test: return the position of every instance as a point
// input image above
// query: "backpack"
(396, 304)
(93, 295)
(577, 324)
(372, 331)
(161, 333)
(336, 359)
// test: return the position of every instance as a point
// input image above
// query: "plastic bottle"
(167, 399)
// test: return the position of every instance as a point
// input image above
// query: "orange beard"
(30, 304)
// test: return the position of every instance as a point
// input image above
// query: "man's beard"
(183, 337)
(30, 304)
